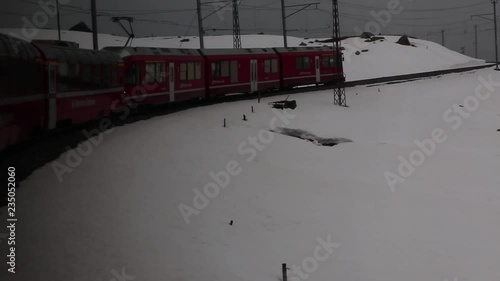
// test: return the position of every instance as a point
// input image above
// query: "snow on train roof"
(304, 49)
(248, 51)
(147, 51)
(17, 48)
(74, 55)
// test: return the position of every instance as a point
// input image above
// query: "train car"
(308, 65)
(80, 85)
(241, 70)
(22, 99)
(162, 75)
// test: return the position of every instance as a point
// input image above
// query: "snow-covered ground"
(382, 58)
(118, 212)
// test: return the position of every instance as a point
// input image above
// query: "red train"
(44, 87)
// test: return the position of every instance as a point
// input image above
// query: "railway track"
(35, 153)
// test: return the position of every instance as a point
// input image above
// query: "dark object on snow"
(311, 42)
(358, 53)
(284, 104)
(244, 117)
(231, 223)
(404, 41)
(366, 35)
(81, 26)
(303, 44)
(461, 106)
(185, 40)
(364, 51)
(498, 130)
(375, 38)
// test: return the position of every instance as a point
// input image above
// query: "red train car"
(308, 65)
(162, 75)
(80, 85)
(22, 99)
(241, 70)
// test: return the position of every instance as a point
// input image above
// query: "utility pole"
(283, 18)
(58, 22)
(94, 24)
(200, 24)
(236, 26)
(496, 35)
(442, 37)
(475, 36)
(339, 97)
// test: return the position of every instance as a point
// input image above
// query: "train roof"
(252, 51)
(149, 51)
(74, 55)
(16, 48)
(304, 49)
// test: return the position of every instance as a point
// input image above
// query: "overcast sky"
(420, 18)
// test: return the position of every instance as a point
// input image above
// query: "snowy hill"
(118, 210)
(379, 59)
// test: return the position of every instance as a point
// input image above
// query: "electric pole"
(200, 24)
(475, 35)
(339, 97)
(496, 35)
(236, 26)
(58, 22)
(94, 24)
(283, 18)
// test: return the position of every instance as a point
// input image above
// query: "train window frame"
(63, 77)
(270, 66)
(154, 73)
(197, 70)
(303, 63)
(190, 71)
(328, 61)
(183, 71)
(132, 77)
(234, 71)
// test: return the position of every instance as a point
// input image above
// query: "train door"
(171, 81)
(318, 70)
(52, 88)
(254, 76)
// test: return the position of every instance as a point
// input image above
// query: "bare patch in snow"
(302, 134)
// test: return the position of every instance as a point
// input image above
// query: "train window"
(86, 77)
(114, 76)
(62, 77)
(328, 61)
(155, 73)
(97, 76)
(150, 73)
(190, 69)
(74, 76)
(274, 66)
(303, 63)
(224, 69)
(132, 76)
(197, 70)
(234, 71)
(183, 70)
(160, 72)
(267, 66)
(271, 66)
(216, 69)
